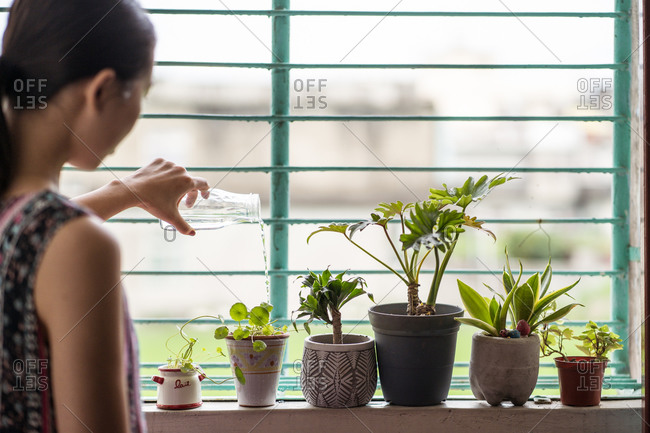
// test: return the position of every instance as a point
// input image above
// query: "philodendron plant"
(327, 295)
(428, 228)
(528, 305)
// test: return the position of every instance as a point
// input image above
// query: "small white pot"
(178, 390)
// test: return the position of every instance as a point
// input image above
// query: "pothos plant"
(327, 295)
(182, 358)
(427, 228)
(527, 305)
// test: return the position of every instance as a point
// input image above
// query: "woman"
(72, 74)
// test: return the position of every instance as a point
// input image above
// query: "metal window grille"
(280, 171)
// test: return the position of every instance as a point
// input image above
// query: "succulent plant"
(529, 305)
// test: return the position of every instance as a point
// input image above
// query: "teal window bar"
(280, 170)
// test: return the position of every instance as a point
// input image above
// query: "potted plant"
(504, 363)
(337, 370)
(416, 341)
(255, 349)
(580, 377)
(179, 382)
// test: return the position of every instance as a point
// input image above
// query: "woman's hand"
(156, 188)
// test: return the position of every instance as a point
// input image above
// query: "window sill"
(453, 416)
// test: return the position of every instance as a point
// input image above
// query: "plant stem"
(404, 264)
(401, 218)
(379, 261)
(413, 299)
(336, 326)
(422, 261)
(440, 271)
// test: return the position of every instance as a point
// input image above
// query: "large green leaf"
(546, 279)
(479, 324)
(494, 312)
(422, 227)
(523, 302)
(474, 303)
(241, 333)
(541, 305)
(259, 346)
(471, 191)
(555, 316)
(221, 332)
(533, 282)
(239, 374)
(238, 312)
(259, 316)
(391, 210)
(505, 308)
(334, 227)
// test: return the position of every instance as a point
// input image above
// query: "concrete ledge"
(453, 416)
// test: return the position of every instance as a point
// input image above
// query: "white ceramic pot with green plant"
(338, 370)
(504, 363)
(256, 352)
(179, 381)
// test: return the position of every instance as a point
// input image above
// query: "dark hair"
(49, 44)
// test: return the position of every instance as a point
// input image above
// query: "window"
(326, 112)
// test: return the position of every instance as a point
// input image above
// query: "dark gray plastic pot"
(415, 354)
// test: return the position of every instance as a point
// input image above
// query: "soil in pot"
(581, 380)
(261, 369)
(503, 368)
(338, 375)
(415, 354)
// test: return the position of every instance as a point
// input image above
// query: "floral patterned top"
(27, 224)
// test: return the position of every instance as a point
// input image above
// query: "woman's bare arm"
(156, 188)
(79, 301)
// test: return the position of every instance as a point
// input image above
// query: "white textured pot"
(261, 369)
(178, 390)
(503, 368)
(338, 375)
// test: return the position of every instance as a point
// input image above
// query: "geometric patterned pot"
(261, 369)
(338, 375)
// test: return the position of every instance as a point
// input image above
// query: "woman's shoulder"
(80, 267)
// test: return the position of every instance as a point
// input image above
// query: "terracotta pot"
(581, 380)
(503, 368)
(178, 390)
(261, 369)
(338, 375)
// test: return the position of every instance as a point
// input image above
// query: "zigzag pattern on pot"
(338, 379)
